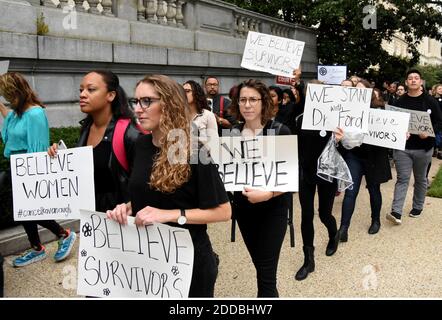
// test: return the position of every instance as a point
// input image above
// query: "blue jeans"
(357, 170)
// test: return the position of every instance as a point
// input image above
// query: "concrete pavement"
(399, 262)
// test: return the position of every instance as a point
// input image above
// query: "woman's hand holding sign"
(120, 213)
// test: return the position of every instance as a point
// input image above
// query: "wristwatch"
(182, 218)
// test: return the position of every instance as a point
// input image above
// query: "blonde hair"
(169, 175)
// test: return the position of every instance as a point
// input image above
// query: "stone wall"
(183, 39)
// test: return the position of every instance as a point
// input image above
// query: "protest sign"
(114, 260)
(4, 66)
(328, 107)
(263, 162)
(332, 74)
(46, 188)
(420, 121)
(285, 81)
(387, 129)
(272, 54)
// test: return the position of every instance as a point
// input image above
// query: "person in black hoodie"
(418, 150)
(372, 162)
(310, 146)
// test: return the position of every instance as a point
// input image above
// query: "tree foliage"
(342, 37)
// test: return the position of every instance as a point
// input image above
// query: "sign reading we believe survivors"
(267, 163)
(387, 129)
(420, 121)
(114, 260)
(46, 188)
(272, 54)
(328, 107)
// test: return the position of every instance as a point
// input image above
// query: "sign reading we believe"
(154, 261)
(268, 163)
(272, 54)
(46, 188)
(328, 107)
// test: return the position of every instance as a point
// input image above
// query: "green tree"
(342, 37)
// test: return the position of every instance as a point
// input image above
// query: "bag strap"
(221, 107)
(118, 142)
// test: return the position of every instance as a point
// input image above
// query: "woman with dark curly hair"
(200, 112)
(261, 215)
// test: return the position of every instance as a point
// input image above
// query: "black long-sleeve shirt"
(424, 102)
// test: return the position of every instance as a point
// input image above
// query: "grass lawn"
(436, 186)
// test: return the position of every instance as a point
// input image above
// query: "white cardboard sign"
(46, 188)
(420, 121)
(116, 261)
(328, 107)
(387, 129)
(272, 54)
(332, 74)
(263, 162)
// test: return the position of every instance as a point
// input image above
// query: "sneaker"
(394, 217)
(29, 257)
(414, 213)
(65, 246)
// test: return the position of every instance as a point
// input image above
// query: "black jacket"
(119, 175)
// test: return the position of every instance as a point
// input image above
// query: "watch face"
(182, 220)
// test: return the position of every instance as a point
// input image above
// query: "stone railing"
(103, 7)
(168, 12)
(236, 21)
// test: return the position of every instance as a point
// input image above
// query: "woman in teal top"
(26, 130)
(26, 133)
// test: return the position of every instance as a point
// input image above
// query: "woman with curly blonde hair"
(164, 187)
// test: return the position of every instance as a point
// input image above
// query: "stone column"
(161, 13)
(107, 8)
(151, 10)
(171, 13)
(93, 4)
(179, 13)
(141, 11)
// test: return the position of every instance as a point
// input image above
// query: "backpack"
(118, 141)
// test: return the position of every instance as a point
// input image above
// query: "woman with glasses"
(200, 114)
(105, 103)
(166, 187)
(261, 215)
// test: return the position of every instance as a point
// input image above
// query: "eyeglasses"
(144, 102)
(253, 101)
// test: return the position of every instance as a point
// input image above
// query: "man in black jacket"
(418, 151)
(219, 104)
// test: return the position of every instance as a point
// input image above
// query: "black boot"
(375, 226)
(332, 244)
(343, 233)
(309, 263)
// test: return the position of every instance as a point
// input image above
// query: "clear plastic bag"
(331, 166)
(352, 139)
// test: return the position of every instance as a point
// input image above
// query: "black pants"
(32, 230)
(263, 234)
(205, 269)
(326, 194)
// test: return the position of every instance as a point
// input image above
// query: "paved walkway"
(398, 262)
